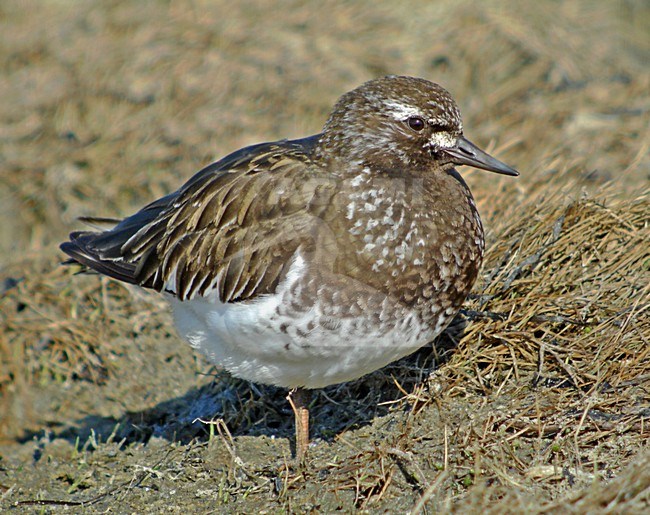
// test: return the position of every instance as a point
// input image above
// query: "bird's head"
(401, 122)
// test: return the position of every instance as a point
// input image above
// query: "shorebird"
(305, 263)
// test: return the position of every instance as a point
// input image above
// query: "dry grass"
(536, 401)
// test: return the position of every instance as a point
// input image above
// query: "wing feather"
(231, 228)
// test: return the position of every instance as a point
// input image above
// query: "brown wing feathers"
(223, 229)
(81, 250)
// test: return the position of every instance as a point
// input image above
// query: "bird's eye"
(416, 123)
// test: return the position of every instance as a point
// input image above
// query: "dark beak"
(466, 153)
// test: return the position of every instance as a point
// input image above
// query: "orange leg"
(299, 400)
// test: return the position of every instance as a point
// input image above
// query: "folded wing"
(232, 228)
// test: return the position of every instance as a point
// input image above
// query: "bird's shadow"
(254, 410)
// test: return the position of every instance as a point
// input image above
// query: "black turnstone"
(305, 263)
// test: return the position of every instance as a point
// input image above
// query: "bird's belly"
(307, 346)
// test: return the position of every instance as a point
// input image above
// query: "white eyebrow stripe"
(401, 111)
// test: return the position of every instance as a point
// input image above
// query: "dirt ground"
(536, 400)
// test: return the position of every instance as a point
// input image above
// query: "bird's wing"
(233, 227)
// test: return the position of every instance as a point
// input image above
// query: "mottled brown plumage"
(309, 262)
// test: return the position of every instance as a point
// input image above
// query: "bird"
(309, 262)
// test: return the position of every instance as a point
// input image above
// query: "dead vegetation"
(537, 400)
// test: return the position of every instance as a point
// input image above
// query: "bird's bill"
(466, 153)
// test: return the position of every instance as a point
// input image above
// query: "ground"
(536, 400)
